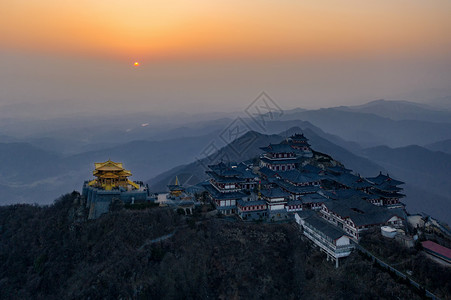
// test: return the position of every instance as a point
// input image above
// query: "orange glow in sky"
(226, 28)
(136, 64)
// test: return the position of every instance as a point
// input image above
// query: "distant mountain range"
(444, 146)
(401, 110)
(427, 175)
(54, 156)
(27, 170)
(195, 171)
(371, 130)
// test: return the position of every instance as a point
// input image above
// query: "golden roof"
(109, 166)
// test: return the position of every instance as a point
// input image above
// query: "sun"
(136, 64)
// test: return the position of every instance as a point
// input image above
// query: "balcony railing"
(328, 246)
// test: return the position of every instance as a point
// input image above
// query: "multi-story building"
(279, 157)
(355, 215)
(251, 180)
(330, 239)
(252, 210)
(275, 198)
(287, 155)
(387, 190)
(225, 187)
(299, 142)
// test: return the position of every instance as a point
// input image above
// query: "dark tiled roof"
(294, 202)
(388, 187)
(297, 189)
(330, 194)
(223, 179)
(278, 148)
(198, 188)
(245, 172)
(296, 176)
(303, 214)
(274, 193)
(299, 137)
(381, 178)
(223, 169)
(248, 162)
(314, 198)
(349, 193)
(339, 169)
(267, 172)
(311, 169)
(384, 194)
(328, 230)
(350, 180)
(223, 196)
(361, 212)
(280, 161)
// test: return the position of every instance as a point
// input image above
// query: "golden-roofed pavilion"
(111, 175)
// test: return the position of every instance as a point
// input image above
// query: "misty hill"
(85, 129)
(444, 146)
(195, 172)
(427, 173)
(27, 171)
(401, 110)
(276, 127)
(54, 253)
(443, 102)
(22, 162)
(45, 168)
(145, 158)
(7, 139)
(371, 130)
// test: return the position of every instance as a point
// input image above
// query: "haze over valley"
(49, 157)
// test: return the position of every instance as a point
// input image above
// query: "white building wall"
(276, 207)
(277, 199)
(343, 241)
(395, 220)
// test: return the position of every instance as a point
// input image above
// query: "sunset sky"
(220, 54)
